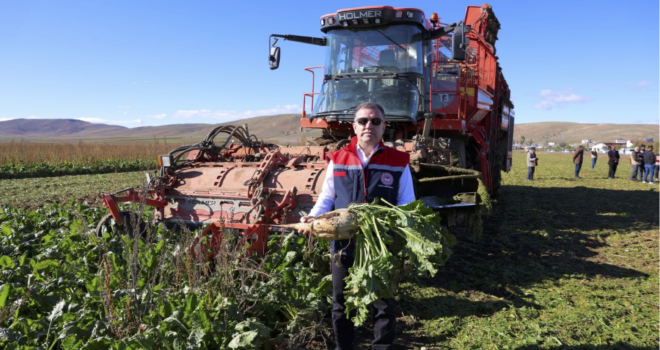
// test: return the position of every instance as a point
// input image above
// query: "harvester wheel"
(131, 224)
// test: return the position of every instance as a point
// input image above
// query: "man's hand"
(303, 220)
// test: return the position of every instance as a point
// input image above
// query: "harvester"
(446, 103)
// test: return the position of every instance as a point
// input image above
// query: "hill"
(285, 128)
(574, 133)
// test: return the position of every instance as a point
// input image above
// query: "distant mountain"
(52, 128)
(282, 128)
(285, 128)
(573, 133)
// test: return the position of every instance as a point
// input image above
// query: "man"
(634, 161)
(362, 171)
(656, 168)
(578, 157)
(531, 163)
(613, 161)
(648, 158)
(642, 169)
(594, 157)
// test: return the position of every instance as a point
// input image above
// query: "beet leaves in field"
(420, 241)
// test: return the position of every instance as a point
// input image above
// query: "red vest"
(357, 184)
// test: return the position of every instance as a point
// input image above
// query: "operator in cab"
(364, 170)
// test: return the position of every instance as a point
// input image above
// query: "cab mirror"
(459, 43)
(274, 57)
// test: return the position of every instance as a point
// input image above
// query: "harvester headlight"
(165, 160)
(398, 14)
(344, 23)
(410, 14)
(366, 21)
(331, 20)
(356, 22)
(323, 21)
(377, 20)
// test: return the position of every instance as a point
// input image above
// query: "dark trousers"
(635, 169)
(530, 172)
(384, 316)
(656, 169)
(578, 166)
(612, 170)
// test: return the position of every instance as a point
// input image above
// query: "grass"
(562, 264)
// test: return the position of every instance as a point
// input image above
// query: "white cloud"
(640, 85)
(5, 119)
(124, 109)
(157, 116)
(652, 122)
(32, 117)
(225, 116)
(112, 122)
(555, 98)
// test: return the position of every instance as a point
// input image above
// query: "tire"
(132, 225)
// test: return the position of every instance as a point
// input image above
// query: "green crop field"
(563, 263)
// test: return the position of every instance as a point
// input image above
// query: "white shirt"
(326, 200)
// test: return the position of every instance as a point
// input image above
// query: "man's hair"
(370, 105)
(651, 147)
(642, 146)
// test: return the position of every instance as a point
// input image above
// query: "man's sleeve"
(406, 191)
(326, 201)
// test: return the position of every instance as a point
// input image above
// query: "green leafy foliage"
(421, 242)
(62, 287)
(47, 169)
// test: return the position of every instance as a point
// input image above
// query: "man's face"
(364, 127)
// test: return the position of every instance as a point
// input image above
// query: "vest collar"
(352, 147)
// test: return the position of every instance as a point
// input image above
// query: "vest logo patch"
(387, 179)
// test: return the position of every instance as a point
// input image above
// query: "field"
(563, 263)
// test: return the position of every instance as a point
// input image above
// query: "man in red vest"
(364, 170)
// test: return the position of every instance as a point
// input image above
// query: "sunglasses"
(374, 121)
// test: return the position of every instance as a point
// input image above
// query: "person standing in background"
(578, 157)
(594, 157)
(656, 167)
(642, 150)
(634, 162)
(613, 162)
(531, 163)
(648, 157)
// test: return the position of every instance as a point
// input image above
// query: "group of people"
(645, 163)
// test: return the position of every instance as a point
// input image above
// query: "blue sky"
(142, 63)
